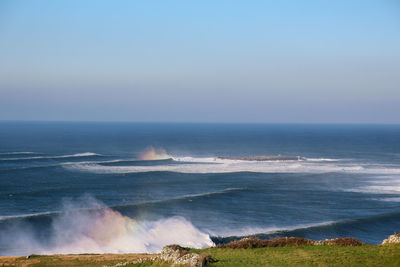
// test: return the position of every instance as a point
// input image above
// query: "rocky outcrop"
(392, 239)
(181, 256)
(173, 252)
(191, 259)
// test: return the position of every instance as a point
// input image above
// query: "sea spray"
(87, 226)
(151, 153)
(229, 166)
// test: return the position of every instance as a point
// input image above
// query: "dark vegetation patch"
(289, 241)
(258, 243)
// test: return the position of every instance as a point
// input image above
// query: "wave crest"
(18, 153)
(77, 155)
(100, 229)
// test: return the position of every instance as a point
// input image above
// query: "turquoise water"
(144, 185)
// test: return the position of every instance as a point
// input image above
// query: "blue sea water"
(75, 187)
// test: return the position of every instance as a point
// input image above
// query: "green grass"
(388, 255)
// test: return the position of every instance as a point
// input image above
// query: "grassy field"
(388, 255)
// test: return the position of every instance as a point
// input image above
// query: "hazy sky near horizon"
(201, 61)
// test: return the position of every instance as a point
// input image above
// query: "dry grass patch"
(71, 260)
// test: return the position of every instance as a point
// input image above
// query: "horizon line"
(197, 122)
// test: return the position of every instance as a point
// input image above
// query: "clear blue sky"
(200, 61)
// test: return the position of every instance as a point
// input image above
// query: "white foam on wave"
(381, 189)
(387, 176)
(86, 154)
(77, 155)
(387, 182)
(226, 166)
(9, 217)
(323, 159)
(222, 160)
(202, 160)
(389, 199)
(248, 231)
(104, 230)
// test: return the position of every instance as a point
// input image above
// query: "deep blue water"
(348, 186)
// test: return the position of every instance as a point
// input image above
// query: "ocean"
(102, 187)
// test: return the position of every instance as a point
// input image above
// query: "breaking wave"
(87, 226)
(100, 229)
(216, 165)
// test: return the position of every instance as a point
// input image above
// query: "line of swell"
(257, 231)
(189, 196)
(18, 153)
(66, 164)
(22, 216)
(51, 165)
(227, 190)
(77, 155)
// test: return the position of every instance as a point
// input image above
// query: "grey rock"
(392, 239)
(181, 256)
(172, 252)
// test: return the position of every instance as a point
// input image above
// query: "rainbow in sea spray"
(88, 226)
(152, 153)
